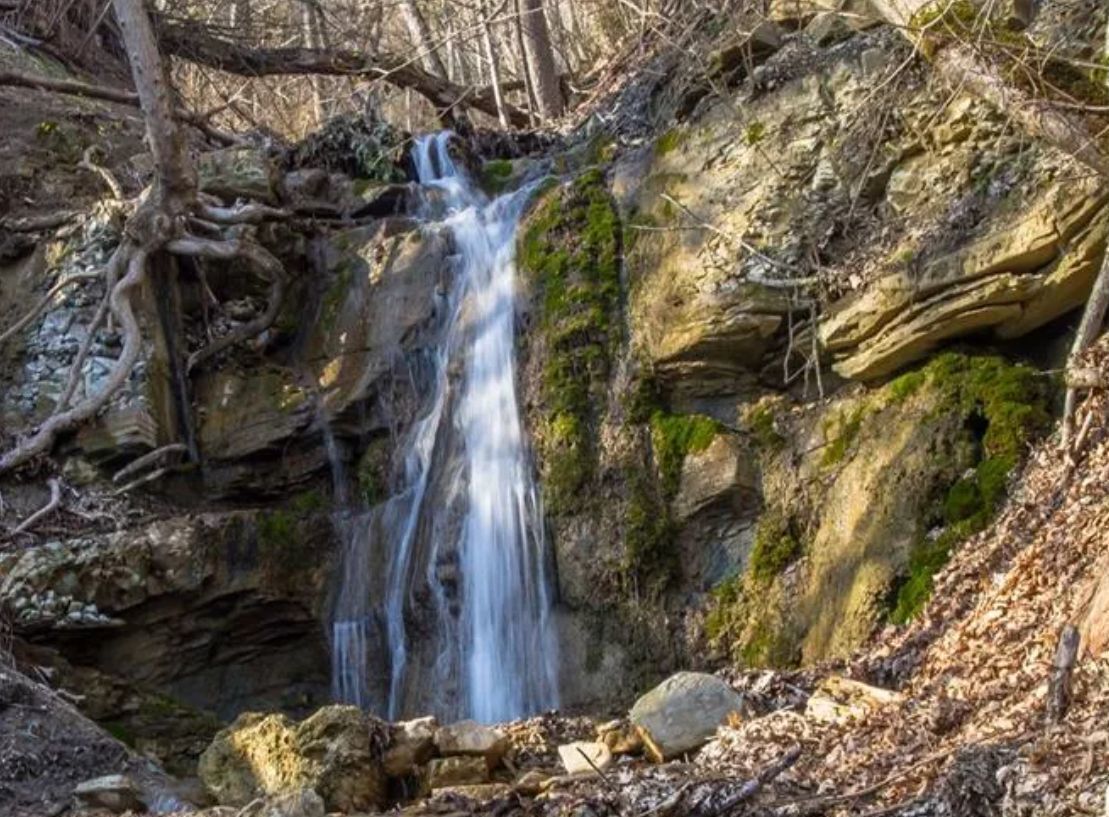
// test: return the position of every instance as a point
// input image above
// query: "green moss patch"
(284, 548)
(1006, 405)
(776, 547)
(841, 434)
(674, 437)
(495, 175)
(571, 251)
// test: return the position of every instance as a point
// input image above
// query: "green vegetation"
(495, 175)
(906, 385)
(775, 548)
(760, 420)
(670, 141)
(1010, 401)
(674, 437)
(571, 249)
(651, 558)
(283, 549)
(754, 133)
(373, 470)
(841, 434)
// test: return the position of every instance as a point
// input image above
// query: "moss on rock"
(570, 250)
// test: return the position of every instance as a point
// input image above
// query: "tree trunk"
(311, 40)
(175, 177)
(491, 58)
(420, 33)
(522, 53)
(541, 59)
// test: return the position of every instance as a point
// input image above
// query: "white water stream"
(462, 543)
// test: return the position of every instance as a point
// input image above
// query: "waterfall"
(461, 542)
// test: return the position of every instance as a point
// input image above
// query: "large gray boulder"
(682, 713)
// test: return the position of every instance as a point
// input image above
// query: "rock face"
(336, 753)
(444, 772)
(411, 745)
(682, 713)
(161, 629)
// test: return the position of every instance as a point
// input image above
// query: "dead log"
(195, 43)
(1059, 688)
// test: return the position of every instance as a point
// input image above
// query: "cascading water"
(462, 542)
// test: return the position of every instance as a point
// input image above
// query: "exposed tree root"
(135, 466)
(45, 302)
(38, 224)
(47, 509)
(115, 266)
(43, 439)
(88, 162)
(270, 268)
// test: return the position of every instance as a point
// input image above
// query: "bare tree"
(420, 32)
(541, 59)
(491, 59)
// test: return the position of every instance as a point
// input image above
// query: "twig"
(1059, 688)
(143, 480)
(88, 163)
(612, 786)
(45, 510)
(755, 785)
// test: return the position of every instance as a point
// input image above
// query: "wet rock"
(472, 739)
(116, 793)
(461, 770)
(683, 712)
(335, 752)
(413, 744)
(584, 757)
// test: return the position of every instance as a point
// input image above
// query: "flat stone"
(460, 770)
(584, 757)
(115, 792)
(683, 712)
(470, 739)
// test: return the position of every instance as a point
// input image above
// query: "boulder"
(333, 752)
(412, 745)
(460, 770)
(683, 712)
(472, 739)
(116, 793)
(584, 757)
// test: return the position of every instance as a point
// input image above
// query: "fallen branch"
(86, 90)
(45, 510)
(143, 480)
(251, 213)
(150, 458)
(1059, 688)
(1092, 319)
(194, 42)
(756, 784)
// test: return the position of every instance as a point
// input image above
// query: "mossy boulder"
(337, 752)
(903, 474)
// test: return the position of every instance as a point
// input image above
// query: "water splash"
(467, 526)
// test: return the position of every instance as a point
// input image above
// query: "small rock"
(584, 757)
(470, 738)
(457, 771)
(682, 713)
(482, 793)
(115, 792)
(531, 783)
(413, 744)
(620, 737)
(303, 803)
